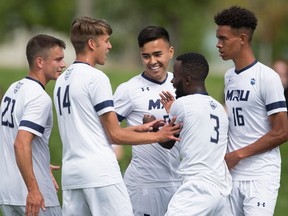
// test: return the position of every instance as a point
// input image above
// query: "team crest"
(17, 87)
(213, 105)
(68, 73)
(252, 81)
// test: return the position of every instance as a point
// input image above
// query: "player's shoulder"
(265, 72)
(133, 82)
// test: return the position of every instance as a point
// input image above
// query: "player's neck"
(37, 77)
(244, 60)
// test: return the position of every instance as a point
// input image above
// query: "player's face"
(155, 56)
(229, 42)
(178, 80)
(54, 63)
(102, 48)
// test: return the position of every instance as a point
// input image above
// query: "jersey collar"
(27, 77)
(247, 67)
(77, 62)
(154, 81)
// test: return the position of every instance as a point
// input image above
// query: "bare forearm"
(24, 162)
(264, 144)
(131, 137)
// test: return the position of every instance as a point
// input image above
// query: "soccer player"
(206, 179)
(151, 177)
(257, 116)
(91, 179)
(26, 187)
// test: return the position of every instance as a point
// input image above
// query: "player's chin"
(225, 58)
(57, 74)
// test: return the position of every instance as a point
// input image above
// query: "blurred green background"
(189, 22)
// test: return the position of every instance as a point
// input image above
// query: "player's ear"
(188, 80)
(39, 62)
(92, 44)
(171, 52)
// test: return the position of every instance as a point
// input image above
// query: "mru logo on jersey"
(155, 104)
(237, 95)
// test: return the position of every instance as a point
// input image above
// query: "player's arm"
(168, 144)
(118, 135)
(23, 154)
(166, 100)
(275, 137)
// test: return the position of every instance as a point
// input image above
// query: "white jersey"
(26, 106)
(83, 93)
(251, 96)
(151, 165)
(203, 141)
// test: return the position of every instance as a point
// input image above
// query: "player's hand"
(156, 124)
(232, 159)
(34, 202)
(52, 167)
(169, 131)
(166, 99)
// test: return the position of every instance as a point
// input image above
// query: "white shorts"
(196, 197)
(105, 201)
(9, 210)
(150, 201)
(254, 198)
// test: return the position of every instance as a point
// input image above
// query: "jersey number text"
(7, 114)
(65, 102)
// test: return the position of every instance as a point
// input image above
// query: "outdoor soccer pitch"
(214, 84)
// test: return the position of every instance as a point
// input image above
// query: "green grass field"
(215, 88)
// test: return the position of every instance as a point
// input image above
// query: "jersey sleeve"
(100, 92)
(122, 101)
(177, 109)
(273, 93)
(36, 113)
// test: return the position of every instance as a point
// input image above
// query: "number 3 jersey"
(25, 106)
(251, 96)
(203, 140)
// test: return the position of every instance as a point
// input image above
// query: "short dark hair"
(39, 46)
(195, 65)
(236, 17)
(151, 33)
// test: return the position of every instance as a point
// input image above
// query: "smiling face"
(102, 48)
(155, 56)
(229, 42)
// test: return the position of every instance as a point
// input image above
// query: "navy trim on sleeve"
(104, 104)
(32, 125)
(279, 104)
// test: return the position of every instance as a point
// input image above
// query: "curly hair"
(236, 17)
